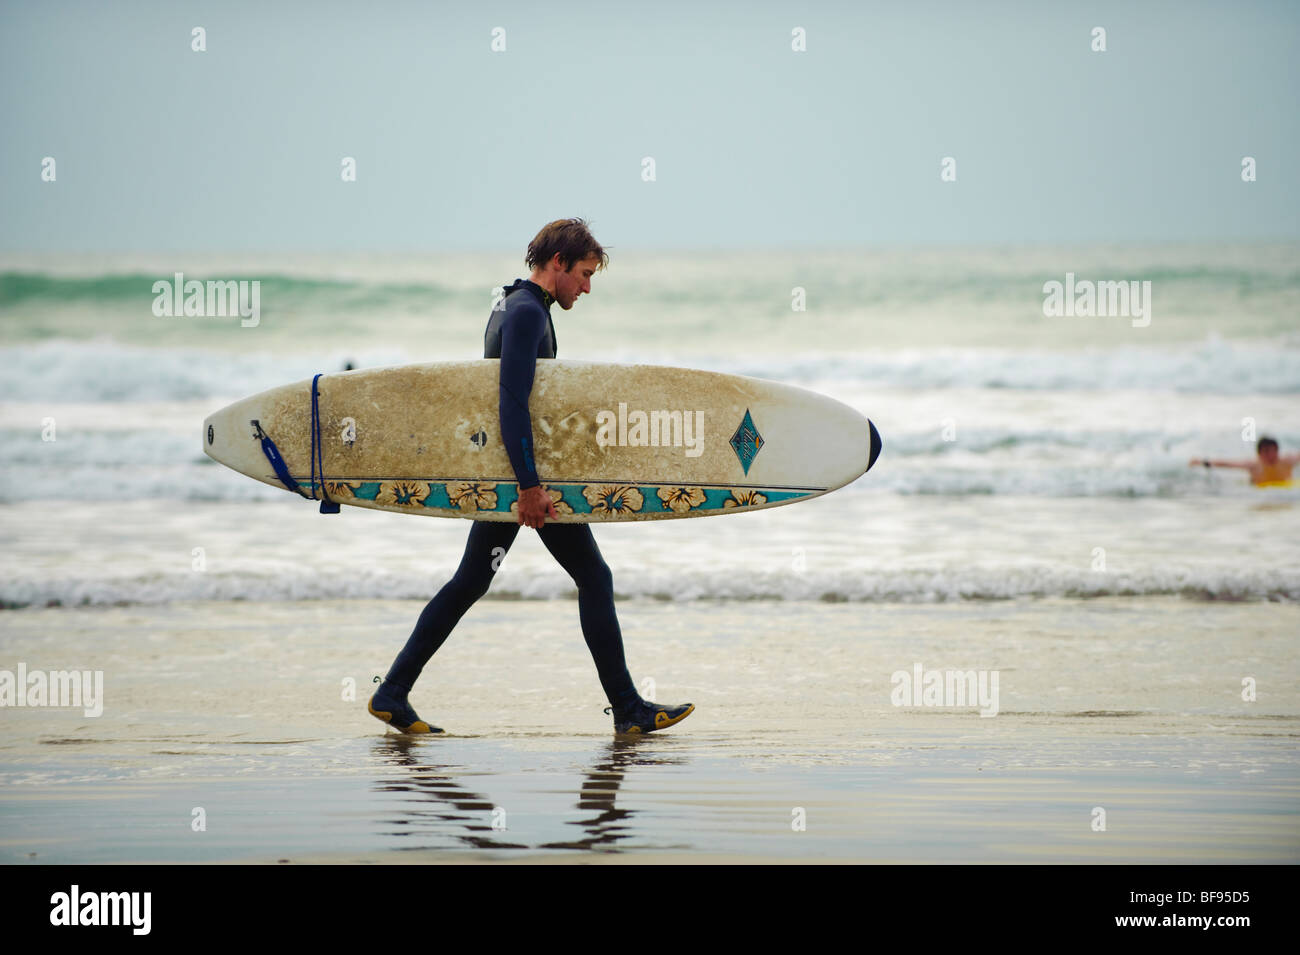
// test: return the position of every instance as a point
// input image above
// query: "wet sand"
(1130, 705)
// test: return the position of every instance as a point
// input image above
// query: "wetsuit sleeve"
(521, 334)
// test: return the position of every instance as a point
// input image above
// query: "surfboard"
(612, 442)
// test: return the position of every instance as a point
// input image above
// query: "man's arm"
(520, 336)
(1206, 462)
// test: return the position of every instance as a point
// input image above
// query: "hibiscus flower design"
(744, 499)
(612, 498)
(557, 498)
(341, 490)
(681, 499)
(472, 496)
(404, 493)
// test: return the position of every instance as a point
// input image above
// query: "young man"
(563, 257)
(1268, 469)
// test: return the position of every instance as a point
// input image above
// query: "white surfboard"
(612, 442)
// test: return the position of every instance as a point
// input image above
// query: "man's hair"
(1264, 443)
(568, 237)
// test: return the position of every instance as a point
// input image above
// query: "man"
(563, 257)
(1268, 470)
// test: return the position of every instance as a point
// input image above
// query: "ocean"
(1024, 455)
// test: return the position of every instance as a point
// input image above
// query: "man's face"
(569, 285)
(1268, 454)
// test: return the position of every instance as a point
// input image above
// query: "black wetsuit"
(519, 332)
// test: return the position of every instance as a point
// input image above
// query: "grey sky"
(459, 148)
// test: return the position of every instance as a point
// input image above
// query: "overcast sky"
(458, 147)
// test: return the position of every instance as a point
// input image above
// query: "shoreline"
(1130, 705)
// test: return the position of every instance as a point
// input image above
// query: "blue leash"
(317, 453)
(273, 455)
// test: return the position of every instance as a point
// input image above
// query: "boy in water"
(1268, 469)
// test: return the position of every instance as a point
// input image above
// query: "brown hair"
(571, 239)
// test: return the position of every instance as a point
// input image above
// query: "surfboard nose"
(875, 446)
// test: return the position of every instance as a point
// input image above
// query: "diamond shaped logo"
(746, 442)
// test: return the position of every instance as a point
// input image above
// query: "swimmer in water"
(1268, 470)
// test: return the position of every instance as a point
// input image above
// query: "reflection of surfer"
(1268, 470)
(446, 808)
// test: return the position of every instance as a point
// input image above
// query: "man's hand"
(535, 505)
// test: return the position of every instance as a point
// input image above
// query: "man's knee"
(595, 575)
(575, 549)
(470, 584)
(486, 549)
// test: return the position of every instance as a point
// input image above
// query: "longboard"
(612, 442)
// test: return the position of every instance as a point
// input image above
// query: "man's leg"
(487, 544)
(574, 547)
(477, 567)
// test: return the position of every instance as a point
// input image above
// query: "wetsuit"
(519, 332)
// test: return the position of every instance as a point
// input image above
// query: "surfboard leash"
(277, 462)
(327, 505)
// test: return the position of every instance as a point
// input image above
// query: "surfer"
(563, 258)
(1269, 469)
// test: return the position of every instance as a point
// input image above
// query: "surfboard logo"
(746, 442)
